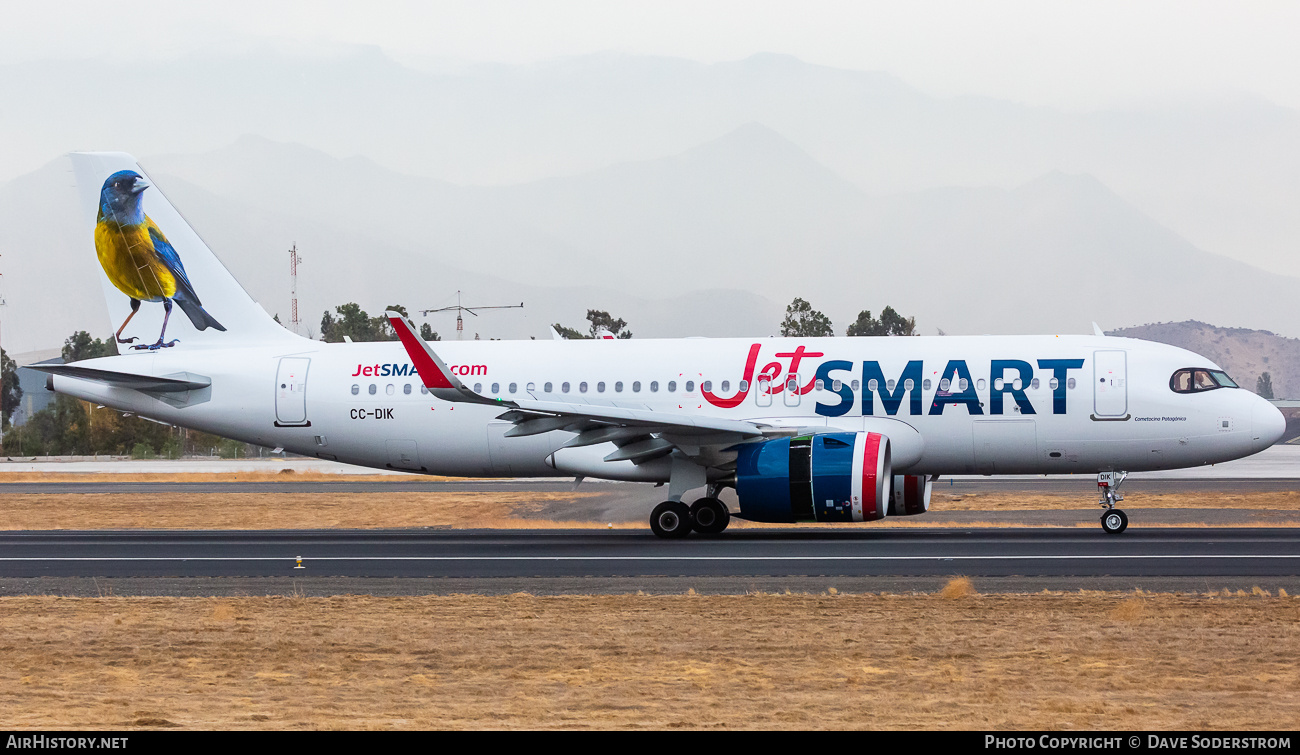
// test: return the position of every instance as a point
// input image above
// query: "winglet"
(1096, 330)
(433, 371)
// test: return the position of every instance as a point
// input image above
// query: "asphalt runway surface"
(862, 558)
(469, 554)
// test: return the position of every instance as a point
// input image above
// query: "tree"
(80, 345)
(1264, 385)
(890, 324)
(353, 321)
(569, 333)
(602, 319)
(428, 333)
(803, 321)
(13, 392)
(597, 319)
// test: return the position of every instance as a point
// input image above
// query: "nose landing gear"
(1113, 521)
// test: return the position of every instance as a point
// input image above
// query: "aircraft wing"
(640, 434)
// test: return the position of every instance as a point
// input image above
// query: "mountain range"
(711, 241)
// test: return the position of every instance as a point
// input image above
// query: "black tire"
(710, 516)
(1114, 522)
(671, 519)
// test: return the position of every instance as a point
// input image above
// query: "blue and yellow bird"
(138, 258)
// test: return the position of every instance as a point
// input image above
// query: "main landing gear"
(674, 519)
(1113, 521)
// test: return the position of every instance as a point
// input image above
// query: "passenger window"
(390, 389)
(819, 385)
(356, 389)
(478, 387)
(496, 387)
(373, 389)
(582, 387)
(979, 384)
(424, 389)
(726, 386)
(889, 384)
(690, 385)
(1034, 383)
(672, 386)
(792, 385)
(1070, 384)
(707, 385)
(997, 384)
(564, 387)
(654, 386)
(742, 386)
(513, 387)
(547, 388)
(944, 384)
(1017, 384)
(909, 384)
(406, 389)
(618, 387)
(600, 387)
(1053, 384)
(855, 385)
(871, 384)
(836, 385)
(963, 384)
(636, 386)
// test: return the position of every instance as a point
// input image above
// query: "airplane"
(803, 429)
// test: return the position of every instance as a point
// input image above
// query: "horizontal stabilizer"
(171, 384)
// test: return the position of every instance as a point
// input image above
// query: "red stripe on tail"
(415, 349)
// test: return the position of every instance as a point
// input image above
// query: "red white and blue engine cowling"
(830, 477)
(911, 495)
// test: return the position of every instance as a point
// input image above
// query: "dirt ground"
(950, 660)
(503, 510)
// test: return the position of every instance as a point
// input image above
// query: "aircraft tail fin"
(149, 256)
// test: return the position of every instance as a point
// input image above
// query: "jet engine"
(830, 477)
(911, 495)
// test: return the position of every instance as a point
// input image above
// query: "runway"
(526, 554)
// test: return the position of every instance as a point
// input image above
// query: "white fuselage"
(1112, 406)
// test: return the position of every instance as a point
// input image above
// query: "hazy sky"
(1070, 55)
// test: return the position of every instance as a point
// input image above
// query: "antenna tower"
(294, 259)
(460, 310)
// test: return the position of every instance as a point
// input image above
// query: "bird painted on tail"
(139, 260)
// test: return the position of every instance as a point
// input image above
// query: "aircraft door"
(763, 390)
(1110, 383)
(291, 392)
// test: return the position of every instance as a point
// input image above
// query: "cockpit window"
(1192, 380)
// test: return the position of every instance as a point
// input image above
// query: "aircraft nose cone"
(1268, 424)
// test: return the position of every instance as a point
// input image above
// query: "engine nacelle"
(830, 477)
(911, 495)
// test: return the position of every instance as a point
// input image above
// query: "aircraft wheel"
(671, 519)
(1114, 522)
(710, 516)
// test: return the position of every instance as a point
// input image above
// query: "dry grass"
(285, 474)
(255, 511)
(957, 588)
(1047, 661)
(1283, 500)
